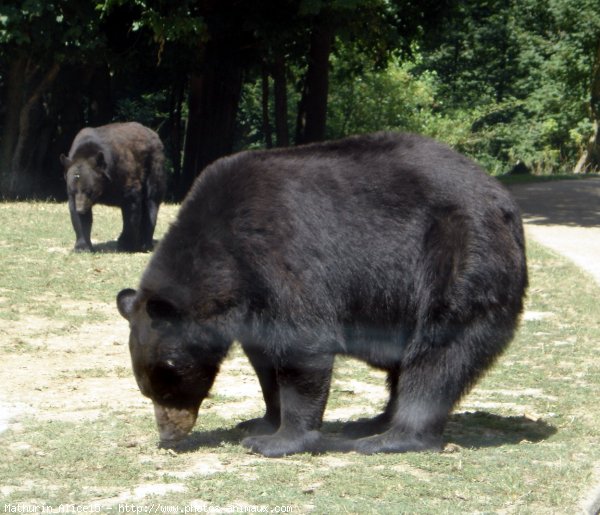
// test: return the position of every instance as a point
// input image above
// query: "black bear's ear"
(125, 302)
(65, 161)
(162, 310)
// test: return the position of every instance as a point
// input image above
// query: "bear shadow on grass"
(471, 430)
(479, 429)
(111, 247)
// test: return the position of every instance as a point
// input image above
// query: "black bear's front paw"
(279, 445)
(259, 426)
(82, 246)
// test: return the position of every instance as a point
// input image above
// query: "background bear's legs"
(130, 238)
(82, 224)
(267, 376)
(148, 222)
(303, 391)
(153, 193)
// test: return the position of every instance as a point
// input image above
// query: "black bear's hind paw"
(366, 426)
(393, 441)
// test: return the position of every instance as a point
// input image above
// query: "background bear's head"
(86, 178)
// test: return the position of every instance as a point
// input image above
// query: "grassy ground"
(526, 440)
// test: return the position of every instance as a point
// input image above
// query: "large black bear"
(120, 164)
(388, 247)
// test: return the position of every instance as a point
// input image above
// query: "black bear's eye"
(165, 379)
(162, 311)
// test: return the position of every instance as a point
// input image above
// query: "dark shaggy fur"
(120, 164)
(391, 248)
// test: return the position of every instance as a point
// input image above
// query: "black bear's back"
(374, 230)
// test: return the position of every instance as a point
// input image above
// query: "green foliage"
(178, 22)
(372, 100)
(502, 81)
(519, 73)
(149, 109)
(249, 123)
(62, 29)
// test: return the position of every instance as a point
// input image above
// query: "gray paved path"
(564, 216)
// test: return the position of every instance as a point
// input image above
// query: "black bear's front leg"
(131, 209)
(303, 391)
(267, 377)
(82, 224)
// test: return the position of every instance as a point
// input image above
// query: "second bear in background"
(120, 164)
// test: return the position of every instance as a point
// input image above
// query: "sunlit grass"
(525, 440)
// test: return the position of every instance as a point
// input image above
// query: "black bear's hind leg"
(130, 238)
(428, 388)
(433, 381)
(379, 424)
(148, 223)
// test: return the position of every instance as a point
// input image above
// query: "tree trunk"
(312, 111)
(15, 84)
(68, 111)
(193, 135)
(281, 107)
(100, 93)
(213, 102)
(266, 125)
(590, 158)
(175, 132)
(32, 141)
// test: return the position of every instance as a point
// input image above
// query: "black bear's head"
(86, 179)
(175, 359)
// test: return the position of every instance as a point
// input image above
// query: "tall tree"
(312, 109)
(210, 131)
(376, 29)
(590, 157)
(38, 40)
(146, 58)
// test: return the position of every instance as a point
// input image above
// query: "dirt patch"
(57, 371)
(60, 372)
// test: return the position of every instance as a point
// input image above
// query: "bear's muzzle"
(173, 423)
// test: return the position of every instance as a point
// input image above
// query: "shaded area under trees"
(504, 81)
